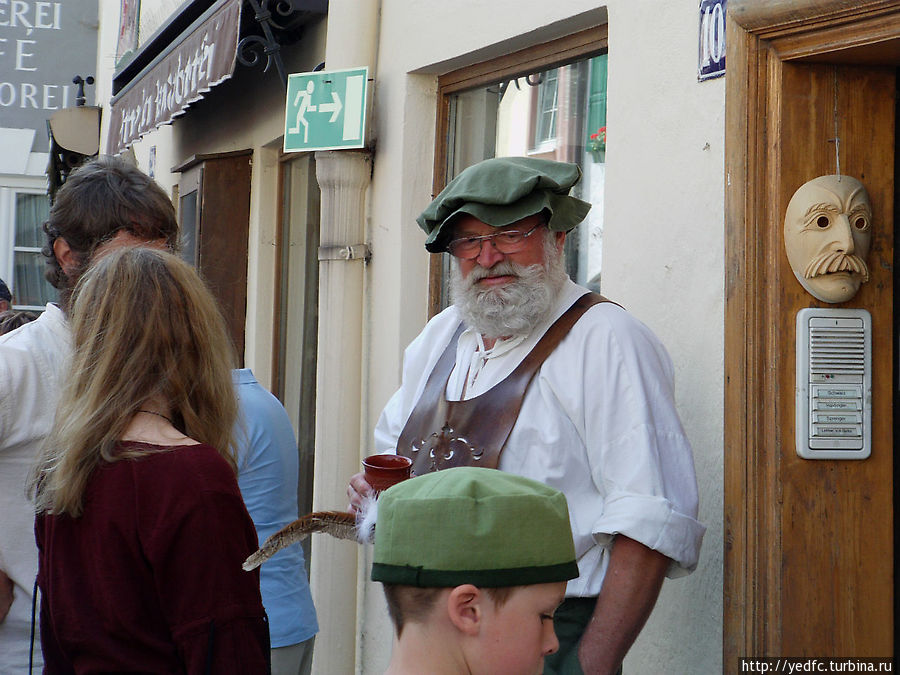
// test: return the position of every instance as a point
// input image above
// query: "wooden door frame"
(761, 36)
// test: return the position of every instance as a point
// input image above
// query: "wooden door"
(809, 555)
(215, 214)
(835, 518)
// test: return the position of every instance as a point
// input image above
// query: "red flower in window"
(597, 140)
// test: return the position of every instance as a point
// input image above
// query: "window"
(546, 110)
(26, 210)
(528, 109)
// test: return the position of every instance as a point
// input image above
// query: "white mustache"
(501, 269)
(829, 263)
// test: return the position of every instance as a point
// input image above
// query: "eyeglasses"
(508, 241)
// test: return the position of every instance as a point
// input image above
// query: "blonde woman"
(140, 526)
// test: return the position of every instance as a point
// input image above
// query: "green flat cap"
(471, 525)
(503, 190)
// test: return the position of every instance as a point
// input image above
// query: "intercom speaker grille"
(837, 350)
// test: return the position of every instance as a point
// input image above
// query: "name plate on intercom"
(834, 383)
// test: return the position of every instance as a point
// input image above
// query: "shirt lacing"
(482, 355)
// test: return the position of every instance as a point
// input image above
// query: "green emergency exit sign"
(326, 110)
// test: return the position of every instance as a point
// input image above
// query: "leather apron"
(440, 434)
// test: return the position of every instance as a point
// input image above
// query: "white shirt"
(32, 362)
(598, 423)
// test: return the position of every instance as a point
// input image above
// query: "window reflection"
(557, 114)
(546, 109)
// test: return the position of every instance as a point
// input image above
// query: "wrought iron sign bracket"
(252, 48)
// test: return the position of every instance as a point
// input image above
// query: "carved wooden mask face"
(827, 234)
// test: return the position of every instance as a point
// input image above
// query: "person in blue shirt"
(268, 468)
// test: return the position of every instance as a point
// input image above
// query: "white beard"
(513, 309)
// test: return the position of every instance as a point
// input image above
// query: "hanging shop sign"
(203, 58)
(43, 46)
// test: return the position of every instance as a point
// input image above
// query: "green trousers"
(569, 622)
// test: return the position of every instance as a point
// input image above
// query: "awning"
(200, 59)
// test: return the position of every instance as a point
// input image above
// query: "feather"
(366, 516)
(338, 524)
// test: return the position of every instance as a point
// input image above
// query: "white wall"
(662, 251)
(663, 259)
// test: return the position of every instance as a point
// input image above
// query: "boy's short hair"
(411, 604)
(469, 525)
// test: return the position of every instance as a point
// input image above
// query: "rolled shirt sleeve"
(637, 452)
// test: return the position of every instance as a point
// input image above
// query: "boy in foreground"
(474, 563)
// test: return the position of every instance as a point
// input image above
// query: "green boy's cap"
(503, 190)
(472, 525)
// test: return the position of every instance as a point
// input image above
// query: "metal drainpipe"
(343, 178)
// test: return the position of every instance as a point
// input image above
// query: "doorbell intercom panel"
(834, 383)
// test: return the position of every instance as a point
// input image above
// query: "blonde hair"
(143, 325)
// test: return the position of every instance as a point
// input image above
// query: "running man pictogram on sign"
(326, 110)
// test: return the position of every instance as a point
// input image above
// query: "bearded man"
(532, 374)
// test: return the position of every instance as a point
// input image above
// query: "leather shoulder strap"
(558, 331)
